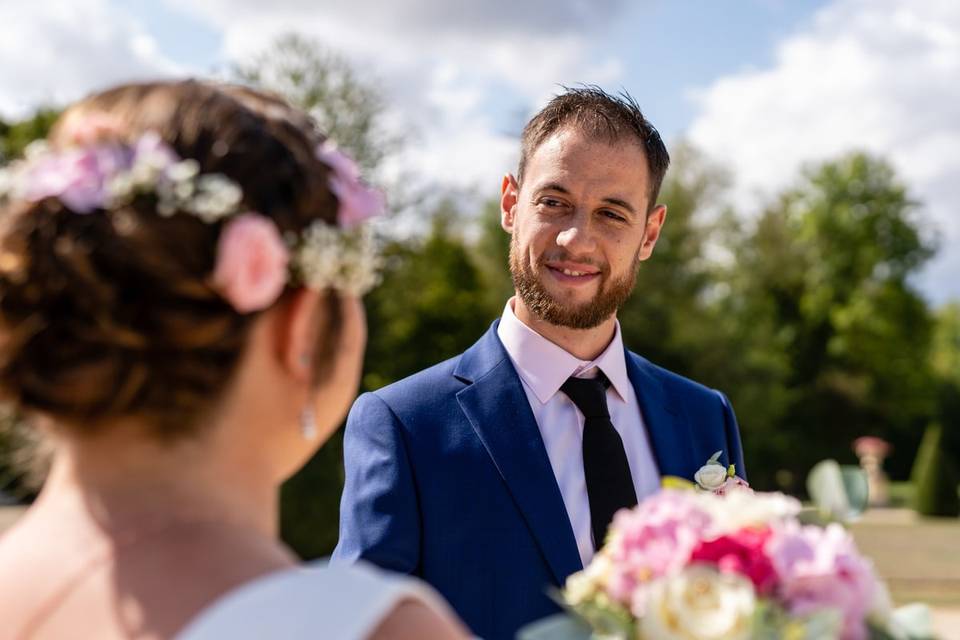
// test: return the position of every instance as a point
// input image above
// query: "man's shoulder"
(423, 391)
(673, 383)
(441, 382)
(427, 379)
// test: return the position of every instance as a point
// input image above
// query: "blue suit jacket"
(447, 478)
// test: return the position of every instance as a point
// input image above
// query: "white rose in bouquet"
(741, 509)
(711, 476)
(586, 584)
(699, 603)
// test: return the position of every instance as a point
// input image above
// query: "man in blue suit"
(494, 475)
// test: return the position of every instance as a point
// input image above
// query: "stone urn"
(872, 451)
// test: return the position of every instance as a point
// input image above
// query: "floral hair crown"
(254, 261)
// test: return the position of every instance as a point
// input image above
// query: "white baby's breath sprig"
(329, 256)
(12, 176)
(36, 149)
(215, 197)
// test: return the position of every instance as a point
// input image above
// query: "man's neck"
(585, 344)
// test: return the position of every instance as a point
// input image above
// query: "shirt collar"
(545, 366)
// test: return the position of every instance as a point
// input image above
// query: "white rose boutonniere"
(716, 478)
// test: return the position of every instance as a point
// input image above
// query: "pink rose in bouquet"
(819, 568)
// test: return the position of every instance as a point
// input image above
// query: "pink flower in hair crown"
(251, 269)
(78, 177)
(358, 201)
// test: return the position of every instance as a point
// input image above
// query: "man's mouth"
(573, 272)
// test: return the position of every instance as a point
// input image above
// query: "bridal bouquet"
(730, 564)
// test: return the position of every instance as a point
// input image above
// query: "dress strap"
(315, 601)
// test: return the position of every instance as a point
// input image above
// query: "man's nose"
(577, 235)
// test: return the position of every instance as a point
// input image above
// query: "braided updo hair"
(111, 316)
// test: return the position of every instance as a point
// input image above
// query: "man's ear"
(509, 192)
(297, 330)
(651, 231)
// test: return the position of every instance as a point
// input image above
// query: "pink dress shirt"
(543, 367)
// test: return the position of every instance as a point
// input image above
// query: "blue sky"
(760, 87)
(675, 47)
(669, 48)
(185, 39)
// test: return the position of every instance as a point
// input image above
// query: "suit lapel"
(669, 432)
(498, 409)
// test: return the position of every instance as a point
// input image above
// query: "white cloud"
(59, 50)
(463, 76)
(415, 19)
(530, 46)
(876, 75)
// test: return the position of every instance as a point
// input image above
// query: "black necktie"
(605, 467)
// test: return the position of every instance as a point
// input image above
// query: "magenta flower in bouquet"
(731, 564)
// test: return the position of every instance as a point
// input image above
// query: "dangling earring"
(308, 420)
(308, 424)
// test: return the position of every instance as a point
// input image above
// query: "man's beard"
(609, 298)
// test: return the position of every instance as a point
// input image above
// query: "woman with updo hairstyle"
(180, 271)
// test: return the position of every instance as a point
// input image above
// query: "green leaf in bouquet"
(715, 458)
(772, 622)
(825, 624)
(560, 626)
(676, 482)
(607, 622)
(603, 617)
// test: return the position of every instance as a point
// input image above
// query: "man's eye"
(551, 202)
(613, 215)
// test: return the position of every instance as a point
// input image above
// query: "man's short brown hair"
(609, 117)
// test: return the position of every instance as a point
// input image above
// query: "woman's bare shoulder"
(81, 576)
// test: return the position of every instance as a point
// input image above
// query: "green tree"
(935, 477)
(669, 318)
(824, 275)
(945, 359)
(15, 136)
(491, 254)
(946, 343)
(431, 305)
